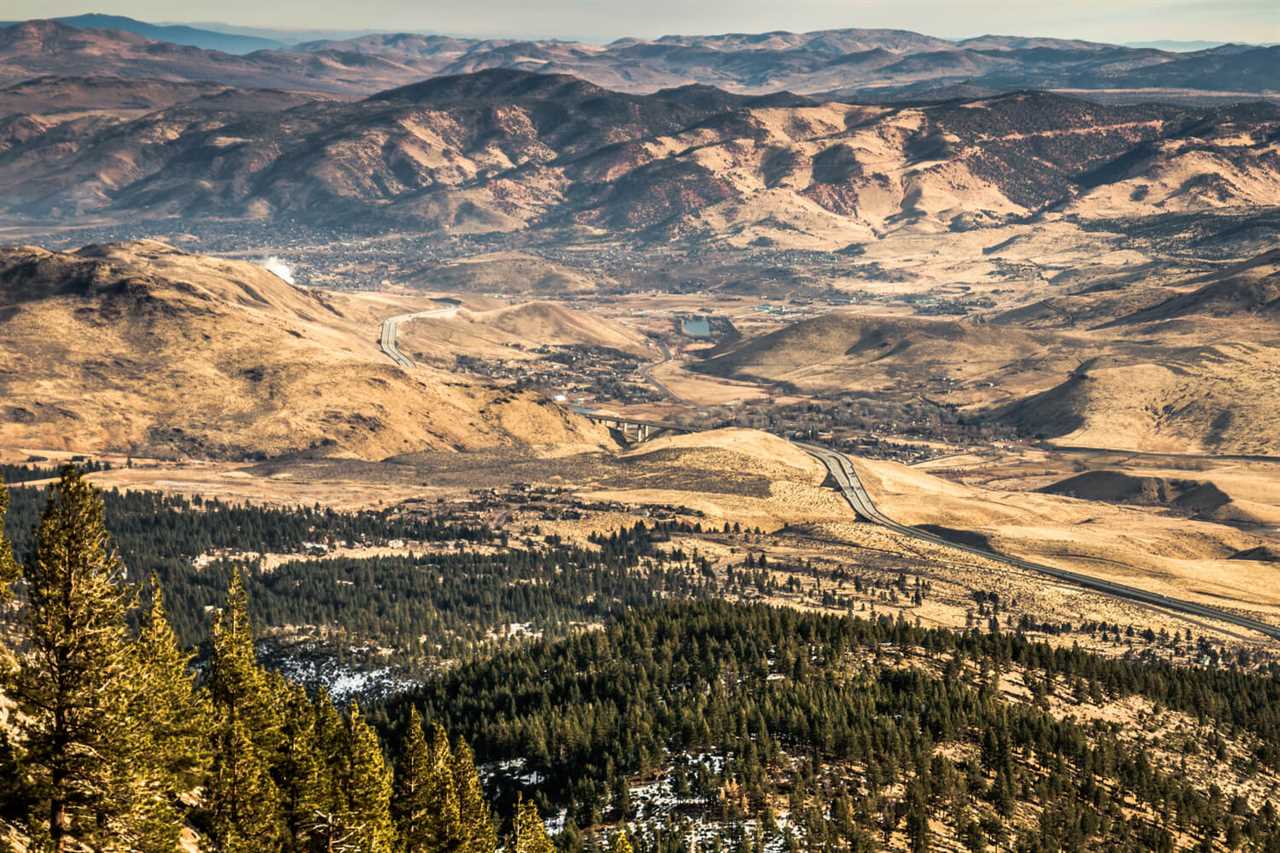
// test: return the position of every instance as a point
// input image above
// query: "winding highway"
(847, 482)
(391, 330)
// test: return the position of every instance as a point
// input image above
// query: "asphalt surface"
(391, 331)
(658, 425)
(847, 482)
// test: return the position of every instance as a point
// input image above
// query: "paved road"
(848, 483)
(846, 480)
(391, 331)
(622, 419)
(663, 388)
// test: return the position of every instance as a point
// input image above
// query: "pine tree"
(299, 767)
(367, 786)
(529, 831)
(326, 826)
(238, 686)
(242, 798)
(243, 801)
(411, 806)
(169, 736)
(179, 716)
(478, 832)
(9, 571)
(72, 688)
(444, 823)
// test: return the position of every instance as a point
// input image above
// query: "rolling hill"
(844, 351)
(1249, 290)
(140, 348)
(1134, 359)
(513, 332)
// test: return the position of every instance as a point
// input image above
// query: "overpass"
(634, 430)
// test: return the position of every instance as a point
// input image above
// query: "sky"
(600, 20)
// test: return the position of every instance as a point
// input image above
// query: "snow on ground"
(344, 683)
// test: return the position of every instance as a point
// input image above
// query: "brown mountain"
(43, 48)
(503, 150)
(850, 63)
(140, 348)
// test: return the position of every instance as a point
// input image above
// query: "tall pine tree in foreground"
(367, 786)
(439, 803)
(445, 818)
(299, 768)
(179, 715)
(76, 680)
(478, 833)
(171, 722)
(241, 798)
(411, 804)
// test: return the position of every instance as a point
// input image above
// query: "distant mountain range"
(173, 33)
(503, 150)
(856, 64)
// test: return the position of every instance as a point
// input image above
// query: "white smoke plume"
(279, 267)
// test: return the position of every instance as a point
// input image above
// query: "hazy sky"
(1102, 20)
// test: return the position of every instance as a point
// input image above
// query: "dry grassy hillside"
(1219, 398)
(1147, 358)
(847, 350)
(1160, 552)
(514, 332)
(752, 477)
(141, 348)
(1193, 364)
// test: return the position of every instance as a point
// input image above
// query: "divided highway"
(391, 329)
(846, 480)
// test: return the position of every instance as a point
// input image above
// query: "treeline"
(29, 472)
(160, 535)
(115, 746)
(152, 529)
(761, 686)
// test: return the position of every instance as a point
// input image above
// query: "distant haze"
(1117, 21)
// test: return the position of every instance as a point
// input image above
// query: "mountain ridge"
(841, 61)
(504, 150)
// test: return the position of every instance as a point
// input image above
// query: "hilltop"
(141, 348)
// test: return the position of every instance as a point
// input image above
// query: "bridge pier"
(632, 431)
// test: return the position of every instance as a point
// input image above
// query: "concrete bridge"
(633, 430)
